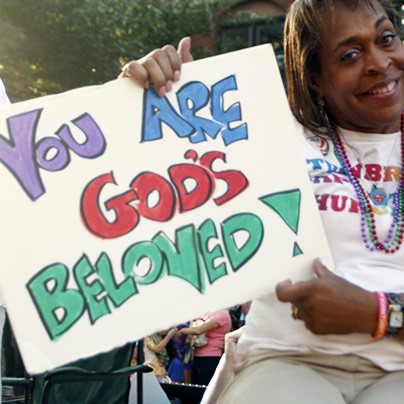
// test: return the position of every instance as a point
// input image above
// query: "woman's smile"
(383, 89)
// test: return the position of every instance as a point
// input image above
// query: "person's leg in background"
(195, 372)
(206, 366)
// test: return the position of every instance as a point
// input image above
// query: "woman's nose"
(378, 60)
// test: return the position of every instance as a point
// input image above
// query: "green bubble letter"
(59, 308)
(249, 223)
(206, 232)
(182, 258)
(97, 307)
(117, 293)
(136, 253)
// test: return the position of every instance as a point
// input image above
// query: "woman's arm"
(225, 370)
(157, 348)
(200, 329)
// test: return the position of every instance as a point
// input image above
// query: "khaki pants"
(311, 378)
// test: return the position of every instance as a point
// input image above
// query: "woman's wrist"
(367, 315)
(390, 316)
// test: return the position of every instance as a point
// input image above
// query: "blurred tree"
(49, 46)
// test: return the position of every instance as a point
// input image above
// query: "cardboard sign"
(123, 213)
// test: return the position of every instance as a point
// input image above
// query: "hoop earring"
(323, 113)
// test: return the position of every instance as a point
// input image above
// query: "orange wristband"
(382, 316)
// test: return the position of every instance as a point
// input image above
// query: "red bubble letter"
(146, 183)
(127, 217)
(202, 191)
(235, 180)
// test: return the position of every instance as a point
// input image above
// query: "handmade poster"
(124, 213)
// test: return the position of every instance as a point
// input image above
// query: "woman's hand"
(184, 331)
(225, 370)
(330, 304)
(200, 329)
(230, 346)
(173, 332)
(160, 67)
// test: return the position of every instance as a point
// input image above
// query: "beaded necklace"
(377, 194)
(394, 238)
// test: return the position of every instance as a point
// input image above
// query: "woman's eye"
(387, 38)
(351, 55)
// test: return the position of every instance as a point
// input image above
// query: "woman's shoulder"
(312, 143)
(222, 317)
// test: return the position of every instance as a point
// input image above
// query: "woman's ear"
(315, 83)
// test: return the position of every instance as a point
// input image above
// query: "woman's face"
(362, 62)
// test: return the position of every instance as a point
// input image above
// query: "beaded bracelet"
(382, 316)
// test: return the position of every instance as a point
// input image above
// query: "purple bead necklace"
(394, 238)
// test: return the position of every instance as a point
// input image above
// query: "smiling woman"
(362, 62)
(338, 337)
(343, 61)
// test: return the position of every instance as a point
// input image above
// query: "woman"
(206, 358)
(156, 354)
(345, 341)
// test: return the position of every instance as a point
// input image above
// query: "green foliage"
(49, 46)
(240, 29)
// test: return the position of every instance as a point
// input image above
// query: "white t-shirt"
(3, 101)
(269, 324)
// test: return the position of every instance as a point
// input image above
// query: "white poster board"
(123, 213)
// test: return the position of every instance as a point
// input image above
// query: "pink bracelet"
(382, 316)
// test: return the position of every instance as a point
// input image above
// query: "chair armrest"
(72, 373)
(17, 381)
(75, 374)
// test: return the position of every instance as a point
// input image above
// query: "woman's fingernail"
(162, 92)
(146, 84)
(169, 86)
(176, 75)
(318, 261)
(126, 70)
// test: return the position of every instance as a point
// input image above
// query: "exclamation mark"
(287, 205)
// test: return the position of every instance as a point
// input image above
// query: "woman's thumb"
(319, 269)
(184, 50)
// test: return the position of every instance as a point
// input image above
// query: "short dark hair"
(302, 39)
